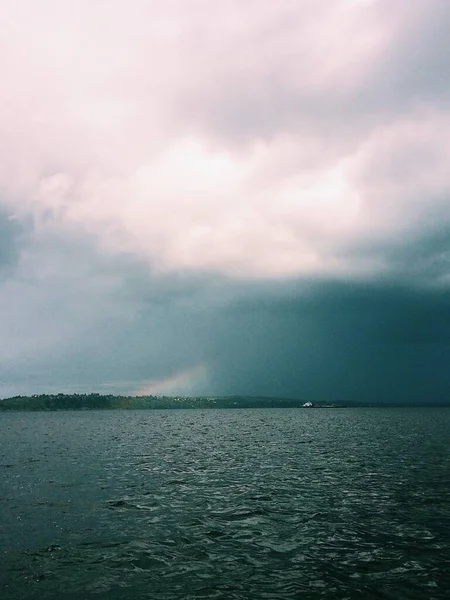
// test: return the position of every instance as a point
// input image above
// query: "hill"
(110, 402)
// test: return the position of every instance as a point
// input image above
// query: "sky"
(242, 197)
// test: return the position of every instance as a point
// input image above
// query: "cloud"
(338, 342)
(11, 232)
(82, 320)
(237, 138)
(165, 163)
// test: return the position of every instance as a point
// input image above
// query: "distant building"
(308, 405)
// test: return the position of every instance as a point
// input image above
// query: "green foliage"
(44, 402)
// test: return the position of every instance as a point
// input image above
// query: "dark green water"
(229, 504)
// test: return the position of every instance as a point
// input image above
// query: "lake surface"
(225, 504)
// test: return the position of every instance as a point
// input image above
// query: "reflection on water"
(320, 504)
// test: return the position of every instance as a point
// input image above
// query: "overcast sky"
(226, 197)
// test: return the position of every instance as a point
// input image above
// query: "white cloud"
(217, 136)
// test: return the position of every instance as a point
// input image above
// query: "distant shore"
(112, 402)
(52, 402)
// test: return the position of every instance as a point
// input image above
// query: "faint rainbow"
(183, 382)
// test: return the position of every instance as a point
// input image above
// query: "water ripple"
(320, 505)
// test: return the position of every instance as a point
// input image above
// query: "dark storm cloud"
(112, 326)
(81, 320)
(364, 343)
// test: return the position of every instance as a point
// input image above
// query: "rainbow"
(185, 382)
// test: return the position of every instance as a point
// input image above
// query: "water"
(226, 504)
